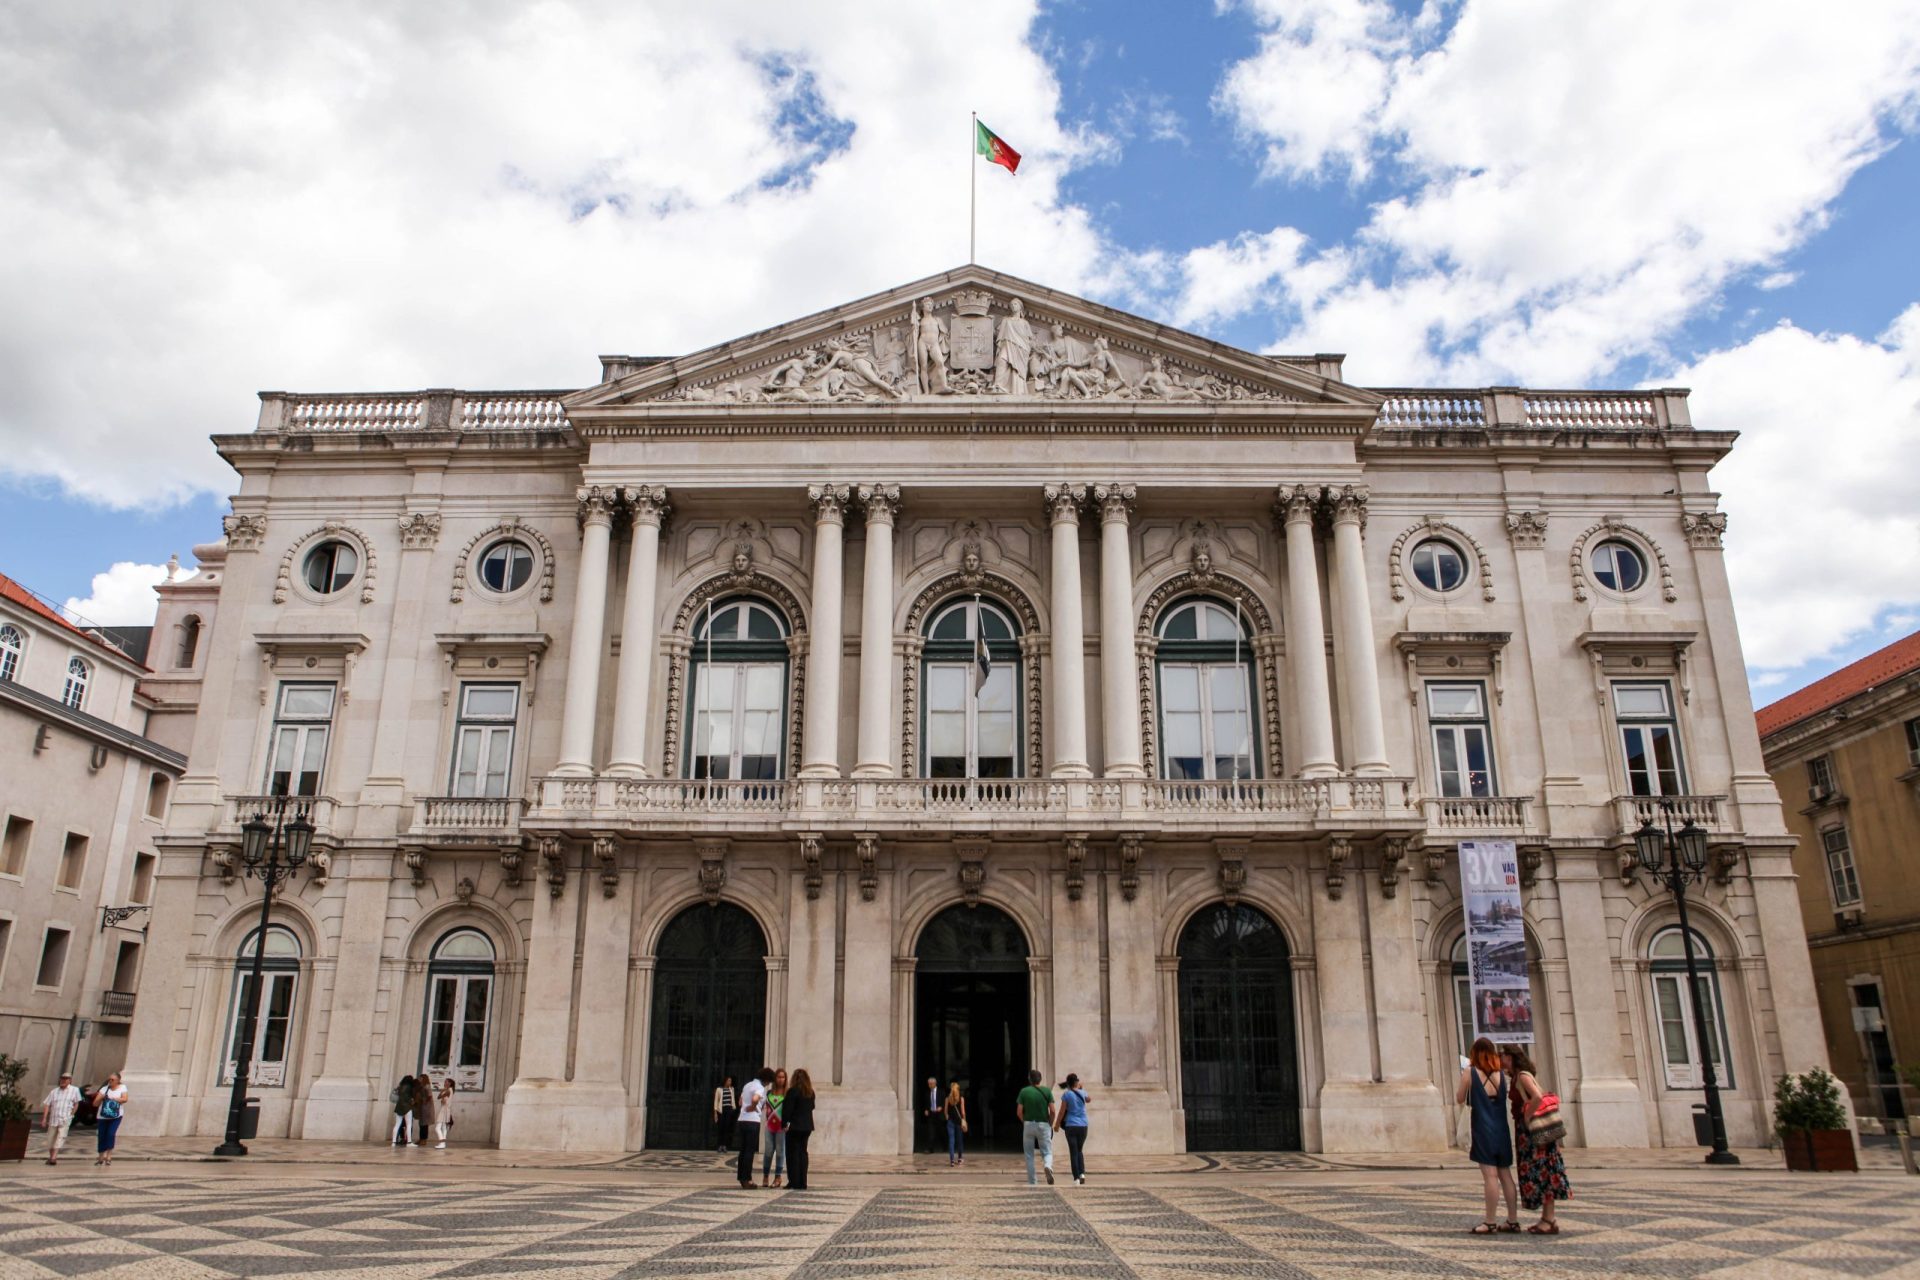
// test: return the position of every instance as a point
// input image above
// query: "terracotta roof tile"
(11, 590)
(1869, 672)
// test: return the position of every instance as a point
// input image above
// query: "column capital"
(1349, 502)
(596, 503)
(1295, 503)
(1527, 529)
(1063, 502)
(1115, 502)
(829, 502)
(647, 504)
(1704, 529)
(880, 501)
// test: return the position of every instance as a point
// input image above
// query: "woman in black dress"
(796, 1116)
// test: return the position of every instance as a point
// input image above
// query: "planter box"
(13, 1139)
(1820, 1151)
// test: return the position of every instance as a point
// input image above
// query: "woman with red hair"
(1483, 1089)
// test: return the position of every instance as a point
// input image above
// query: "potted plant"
(13, 1110)
(1812, 1124)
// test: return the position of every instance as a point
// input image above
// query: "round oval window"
(1438, 565)
(506, 566)
(331, 566)
(1617, 566)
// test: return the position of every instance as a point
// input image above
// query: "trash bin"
(1702, 1125)
(250, 1119)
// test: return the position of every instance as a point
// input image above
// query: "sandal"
(1484, 1229)
(1511, 1227)
(1544, 1229)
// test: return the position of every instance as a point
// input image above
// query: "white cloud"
(1822, 492)
(121, 597)
(1227, 278)
(1777, 280)
(233, 195)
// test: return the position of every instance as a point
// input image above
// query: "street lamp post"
(1676, 859)
(263, 845)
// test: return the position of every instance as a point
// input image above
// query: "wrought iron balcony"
(116, 1006)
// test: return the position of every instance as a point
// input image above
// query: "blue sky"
(1453, 193)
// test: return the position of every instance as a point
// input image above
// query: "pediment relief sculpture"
(970, 342)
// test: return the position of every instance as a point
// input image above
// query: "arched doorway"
(1239, 1071)
(971, 988)
(709, 1019)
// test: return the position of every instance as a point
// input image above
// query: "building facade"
(85, 782)
(1850, 744)
(966, 678)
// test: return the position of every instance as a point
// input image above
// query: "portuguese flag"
(989, 144)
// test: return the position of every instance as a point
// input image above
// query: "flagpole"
(973, 182)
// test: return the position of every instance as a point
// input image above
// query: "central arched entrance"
(1239, 1072)
(709, 1019)
(971, 988)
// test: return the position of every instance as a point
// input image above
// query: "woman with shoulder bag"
(1537, 1131)
(954, 1109)
(796, 1118)
(1483, 1088)
(1071, 1120)
(111, 1101)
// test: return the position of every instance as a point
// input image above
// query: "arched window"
(1239, 1065)
(971, 673)
(78, 673)
(738, 711)
(1205, 668)
(1673, 1012)
(459, 1009)
(12, 644)
(189, 642)
(280, 974)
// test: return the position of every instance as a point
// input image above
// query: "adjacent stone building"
(964, 678)
(85, 781)
(1850, 745)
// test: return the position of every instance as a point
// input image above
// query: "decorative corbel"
(1076, 878)
(1629, 865)
(1726, 857)
(222, 856)
(1532, 857)
(1339, 849)
(319, 868)
(973, 869)
(1130, 845)
(555, 862)
(866, 846)
(416, 859)
(1436, 859)
(1393, 856)
(1232, 872)
(810, 862)
(606, 855)
(510, 867)
(713, 867)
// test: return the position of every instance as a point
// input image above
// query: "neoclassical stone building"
(965, 678)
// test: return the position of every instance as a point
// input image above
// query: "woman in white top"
(443, 1112)
(112, 1103)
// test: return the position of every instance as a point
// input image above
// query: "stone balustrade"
(1707, 812)
(1497, 815)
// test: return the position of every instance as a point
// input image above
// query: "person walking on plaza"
(773, 1132)
(746, 1131)
(1483, 1089)
(954, 1109)
(402, 1098)
(1071, 1119)
(1542, 1171)
(932, 1115)
(111, 1102)
(56, 1114)
(726, 1109)
(1035, 1109)
(796, 1119)
(442, 1113)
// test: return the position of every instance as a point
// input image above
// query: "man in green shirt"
(1035, 1109)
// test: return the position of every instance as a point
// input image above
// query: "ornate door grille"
(709, 1020)
(1240, 1078)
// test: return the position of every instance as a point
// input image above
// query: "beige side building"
(84, 790)
(966, 678)
(1845, 754)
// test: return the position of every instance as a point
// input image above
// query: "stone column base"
(564, 1115)
(1611, 1113)
(1407, 1115)
(338, 1109)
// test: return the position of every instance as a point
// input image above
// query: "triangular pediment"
(976, 338)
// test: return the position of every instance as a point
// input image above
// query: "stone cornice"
(35, 703)
(1881, 707)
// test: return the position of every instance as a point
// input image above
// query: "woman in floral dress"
(1542, 1172)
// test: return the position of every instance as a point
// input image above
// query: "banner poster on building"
(1496, 941)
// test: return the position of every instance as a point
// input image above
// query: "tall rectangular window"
(126, 967)
(142, 888)
(483, 739)
(15, 846)
(6, 945)
(1841, 874)
(1913, 741)
(53, 957)
(1462, 739)
(1649, 738)
(736, 719)
(1820, 776)
(302, 718)
(73, 861)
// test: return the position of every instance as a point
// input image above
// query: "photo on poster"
(1504, 1016)
(1498, 963)
(1495, 915)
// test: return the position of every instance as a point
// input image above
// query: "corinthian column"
(1069, 728)
(639, 637)
(820, 743)
(1359, 665)
(876, 745)
(1306, 633)
(589, 621)
(1119, 707)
